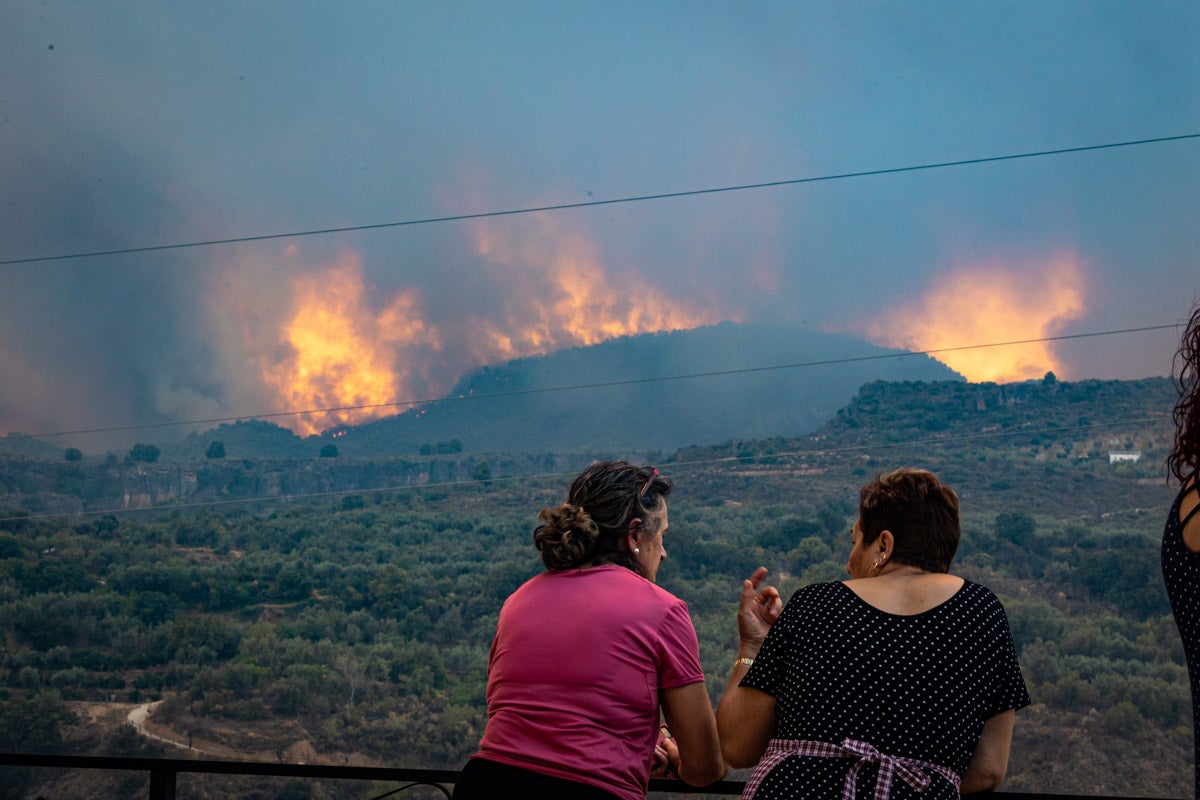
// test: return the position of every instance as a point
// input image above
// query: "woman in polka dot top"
(901, 682)
(1181, 535)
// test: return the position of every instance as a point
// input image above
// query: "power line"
(598, 384)
(592, 203)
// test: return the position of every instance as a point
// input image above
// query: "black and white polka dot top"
(918, 686)
(1181, 575)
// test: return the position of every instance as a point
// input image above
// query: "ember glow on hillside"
(991, 303)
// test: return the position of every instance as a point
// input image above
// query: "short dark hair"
(589, 527)
(920, 511)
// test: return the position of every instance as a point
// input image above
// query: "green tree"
(788, 532)
(824, 572)
(13, 519)
(1123, 719)
(215, 450)
(293, 584)
(198, 639)
(33, 725)
(73, 454)
(329, 451)
(153, 608)
(144, 453)
(835, 520)
(1016, 527)
(810, 551)
(9, 547)
(30, 726)
(106, 526)
(57, 576)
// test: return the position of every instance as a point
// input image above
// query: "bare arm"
(689, 716)
(745, 716)
(746, 721)
(990, 761)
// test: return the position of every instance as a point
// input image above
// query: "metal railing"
(164, 771)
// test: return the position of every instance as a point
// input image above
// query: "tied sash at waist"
(910, 770)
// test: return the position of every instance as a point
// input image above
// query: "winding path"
(137, 718)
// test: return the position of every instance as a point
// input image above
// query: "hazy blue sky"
(128, 124)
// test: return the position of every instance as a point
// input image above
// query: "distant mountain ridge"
(635, 394)
(649, 392)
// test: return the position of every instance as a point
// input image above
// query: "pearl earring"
(637, 549)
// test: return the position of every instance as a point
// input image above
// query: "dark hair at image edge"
(1185, 457)
(589, 528)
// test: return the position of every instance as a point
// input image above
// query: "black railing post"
(162, 783)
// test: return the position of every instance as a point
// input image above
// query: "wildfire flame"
(340, 352)
(536, 292)
(991, 303)
(570, 299)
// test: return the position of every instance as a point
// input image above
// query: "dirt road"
(137, 718)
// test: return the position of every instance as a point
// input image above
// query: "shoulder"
(818, 595)
(598, 587)
(978, 593)
(822, 590)
(638, 589)
(976, 601)
(533, 587)
(818, 592)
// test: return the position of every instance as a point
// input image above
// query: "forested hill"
(1045, 409)
(636, 393)
(997, 443)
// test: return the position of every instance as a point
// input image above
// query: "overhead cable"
(591, 203)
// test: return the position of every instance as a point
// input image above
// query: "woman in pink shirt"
(587, 653)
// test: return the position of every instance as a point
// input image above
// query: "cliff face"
(144, 486)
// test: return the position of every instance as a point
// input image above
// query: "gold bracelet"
(744, 660)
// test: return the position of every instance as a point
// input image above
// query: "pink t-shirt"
(574, 675)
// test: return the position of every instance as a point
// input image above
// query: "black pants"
(481, 779)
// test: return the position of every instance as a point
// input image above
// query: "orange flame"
(340, 353)
(986, 304)
(567, 297)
